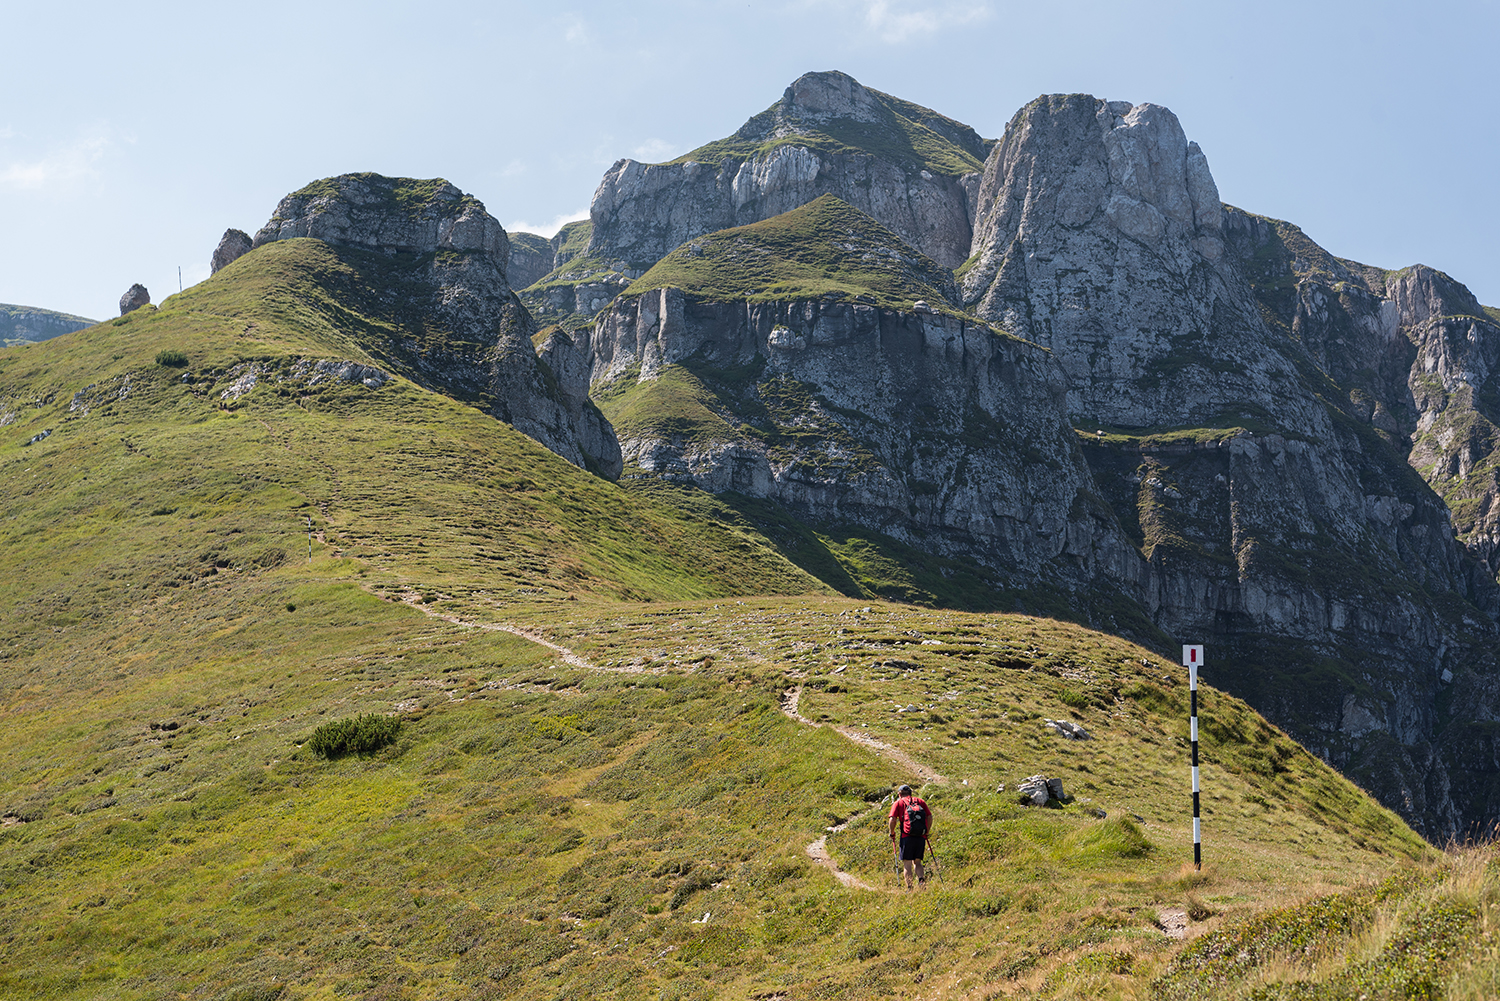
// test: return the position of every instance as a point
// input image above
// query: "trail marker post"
(1192, 657)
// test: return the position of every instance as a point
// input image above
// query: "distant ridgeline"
(27, 324)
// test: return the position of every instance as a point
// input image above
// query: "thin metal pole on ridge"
(1192, 658)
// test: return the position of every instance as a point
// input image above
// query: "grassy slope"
(538, 829)
(573, 238)
(824, 248)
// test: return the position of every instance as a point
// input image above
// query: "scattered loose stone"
(1067, 728)
(1037, 790)
(1034, 791)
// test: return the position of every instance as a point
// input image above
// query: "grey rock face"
(134, 298)
(922, 426)
(1100, 235)
(389, 215)
(468, 334)
(1417, 355)
(530, 259)
(24, 324)
(642, 211)
(234, 244)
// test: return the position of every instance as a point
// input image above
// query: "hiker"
(911, 816)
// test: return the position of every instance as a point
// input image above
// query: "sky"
(133, 135)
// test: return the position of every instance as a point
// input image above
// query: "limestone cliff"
(1414, 354)
(902, 164)
(530, 259)
(909, 167)
(1275, 522)
(25, 324)
(840, 382)
(439, 260)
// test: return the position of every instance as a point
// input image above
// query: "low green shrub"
(355, 735)
(171, 359)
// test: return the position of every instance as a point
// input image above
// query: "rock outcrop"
(847, 400)
(530, 259)
(234, 244)
(1274, 521)
(1416, 355)
(134, 298)
(27, 324)
(465, 332)
(827, 135)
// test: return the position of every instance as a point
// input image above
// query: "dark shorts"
(912, 848)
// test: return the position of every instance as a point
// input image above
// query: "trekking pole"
(937, 867)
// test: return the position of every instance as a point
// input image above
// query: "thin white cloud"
(575, 30)
(513, 168)
(73, 162)
(548, 229)
(898, 21)
(653, 151)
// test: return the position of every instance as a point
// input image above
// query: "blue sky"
(131, 136)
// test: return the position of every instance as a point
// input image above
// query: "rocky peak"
(818, 97)
(1099, 234)
(388, 214)
(899, 162)
(465, 331)
(1069, 159)
(1418, 294)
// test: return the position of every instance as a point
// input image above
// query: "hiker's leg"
(921, 874)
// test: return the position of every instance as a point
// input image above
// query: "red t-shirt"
(898, 809)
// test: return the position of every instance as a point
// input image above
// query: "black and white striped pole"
(1192, 657)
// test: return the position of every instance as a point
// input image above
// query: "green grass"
(573, 239)
(826, 248)
(532, 243)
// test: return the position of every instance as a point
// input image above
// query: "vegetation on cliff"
(826, 248)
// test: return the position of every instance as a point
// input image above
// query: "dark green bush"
(171, 359)
(355, 735)
(1073, 698)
